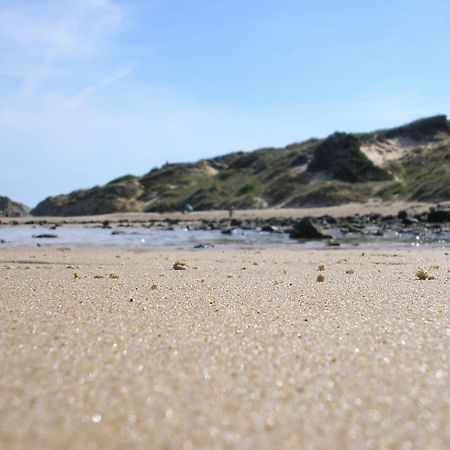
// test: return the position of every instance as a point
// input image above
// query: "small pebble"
(321, 267)
(421, 274)
(108, 275)
(180, 265)
(321, 278)
(350, 271)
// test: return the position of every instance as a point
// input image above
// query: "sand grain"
(211, 361)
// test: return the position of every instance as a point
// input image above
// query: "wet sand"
(243, 350)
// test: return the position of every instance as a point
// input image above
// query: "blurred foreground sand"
(243, 350)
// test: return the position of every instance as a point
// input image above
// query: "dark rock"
(422, 217)
(228, 230)
(306, 229)
(117, 232)
(402, 214)
(44, 236)
(408, 220)
(347, 228)
(374, 217)
(248, 226)
(206, 245)
(331, 220)
(270, 229)
(438, 215)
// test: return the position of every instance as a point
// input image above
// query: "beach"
(107, 348)
(348, 209)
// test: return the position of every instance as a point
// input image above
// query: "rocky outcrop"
(9, 208)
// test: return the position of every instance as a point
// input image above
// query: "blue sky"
(95, 89)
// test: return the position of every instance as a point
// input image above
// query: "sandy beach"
(105, 348)
(348, 209)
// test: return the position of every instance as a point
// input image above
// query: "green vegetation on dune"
(122, 179)
(315, 172)
(340, 155)
(331, 193)
(425, 175)
(419, 130)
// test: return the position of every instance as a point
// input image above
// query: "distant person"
(230, 211)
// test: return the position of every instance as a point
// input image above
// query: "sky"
(94, 89)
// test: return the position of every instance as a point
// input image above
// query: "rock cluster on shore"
(437, 220)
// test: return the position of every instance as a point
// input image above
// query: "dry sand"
(244, 350)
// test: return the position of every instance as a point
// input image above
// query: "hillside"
(411, 162)
(10, 208)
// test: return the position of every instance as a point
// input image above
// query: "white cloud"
(56, 56)
(37, 39)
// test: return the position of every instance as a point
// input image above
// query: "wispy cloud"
(86, 93)
(40, 41)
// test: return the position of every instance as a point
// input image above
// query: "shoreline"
(382, 225)
(263, 214)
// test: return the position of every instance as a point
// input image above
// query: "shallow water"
(145, 238)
